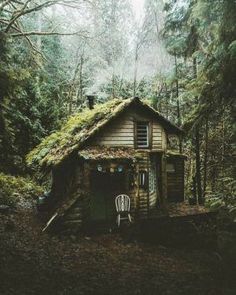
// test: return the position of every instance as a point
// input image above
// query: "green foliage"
(201, 37)
(13, 188)
(31, 104)
(225, 195)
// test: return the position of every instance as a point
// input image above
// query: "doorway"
(105, 186)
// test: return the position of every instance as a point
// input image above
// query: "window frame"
(149, 134)
(143, 179)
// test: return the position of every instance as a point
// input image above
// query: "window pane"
(143, 179)
(142, 134)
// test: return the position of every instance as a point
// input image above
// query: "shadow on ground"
(32, 262)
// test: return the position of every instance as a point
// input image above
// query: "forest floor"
(32, 262)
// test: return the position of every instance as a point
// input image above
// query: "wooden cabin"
(122, 146)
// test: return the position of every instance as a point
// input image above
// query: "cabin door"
(105, 187)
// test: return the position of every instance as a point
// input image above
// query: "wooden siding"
(120, 132)
(158, 136)
(175, 180)
(143, 164)
(153, 194)
(78, 214)
(152, 200)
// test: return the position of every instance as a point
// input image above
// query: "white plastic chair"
(122, 203)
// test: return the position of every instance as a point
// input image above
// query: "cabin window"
(170, 168)
(152, 181)
(143, 179)
(142, 134)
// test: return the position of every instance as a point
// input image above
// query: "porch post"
(163, 179)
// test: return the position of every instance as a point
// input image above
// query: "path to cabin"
(35, 263)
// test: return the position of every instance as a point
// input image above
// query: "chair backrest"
(122, 203)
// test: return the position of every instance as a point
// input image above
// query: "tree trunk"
(113, 85)
(39, 47)
(80, 81)
(177, 101)
(135, 72)
(223, 144)
(177, 91)
(205, 157)
(198, 166)
(197, 148)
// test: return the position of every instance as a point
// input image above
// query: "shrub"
(224, 196)
(13, 189)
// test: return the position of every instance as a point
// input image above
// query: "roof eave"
(170, 127)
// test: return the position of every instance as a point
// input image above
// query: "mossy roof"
(81, 127)
(107, 153)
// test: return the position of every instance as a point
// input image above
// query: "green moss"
(54, 148)
(59, 145)
(12, 188)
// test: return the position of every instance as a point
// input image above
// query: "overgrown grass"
(12, 189)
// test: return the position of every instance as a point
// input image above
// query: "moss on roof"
(107, 153)
(80, 127)
(57, 146)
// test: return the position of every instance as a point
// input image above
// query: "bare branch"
(31, 44)
(27, 11)
(34, 48)
(5, 3)
(18, 29)
(6, 22)
(18, 2)
(23, 34)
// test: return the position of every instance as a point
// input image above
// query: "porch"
(109, 172)
(139, 174)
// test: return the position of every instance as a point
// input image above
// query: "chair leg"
(118, 220)
(130, 220)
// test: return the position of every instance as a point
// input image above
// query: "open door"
(105, 187)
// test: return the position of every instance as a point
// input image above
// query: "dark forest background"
(181, 56)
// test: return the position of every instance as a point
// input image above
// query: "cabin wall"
(153, 182)
(148, 198)
(120, 132)
(175, 180)
(144, 201)
(77, 214)
(143, 164)
(158, 136)
(63, 179)
(141, 202)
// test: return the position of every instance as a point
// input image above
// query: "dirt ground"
(32, 262)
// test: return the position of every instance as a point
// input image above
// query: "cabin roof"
(82, 126)
(107, 153)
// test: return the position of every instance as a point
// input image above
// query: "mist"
(116, 39)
